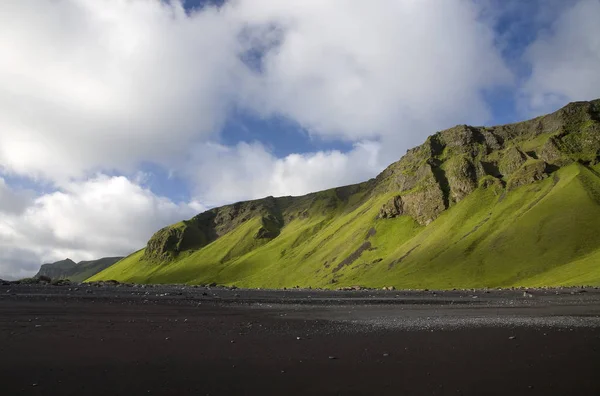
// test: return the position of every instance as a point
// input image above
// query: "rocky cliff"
(76, 272)
(430, 178)
(322, 230)
(452, 163)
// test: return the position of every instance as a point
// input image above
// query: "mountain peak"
(77, 272)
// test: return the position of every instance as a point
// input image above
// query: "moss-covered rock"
(270, 227)
(550, 152)
(169, 241)
(206, 227)
(512, 159)
(530, 172)
(392, 208)
(462, 177)
(426, 202)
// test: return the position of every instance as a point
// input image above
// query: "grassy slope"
(85, 269)
(534, 230)
(546, 233)
(76, 272)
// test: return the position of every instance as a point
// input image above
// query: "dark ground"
(139, 341)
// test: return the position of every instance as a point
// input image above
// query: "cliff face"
(57, 269)
(322, 230)
(452, 163)
(76, 272)
(430, 178)
(206, 227)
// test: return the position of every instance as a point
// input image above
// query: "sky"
(119, 117)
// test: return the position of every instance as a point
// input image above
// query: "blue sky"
(125, 116)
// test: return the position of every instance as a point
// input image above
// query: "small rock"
(512, 337)
(167, 338)
(298, 338)
(332, 358)
(386, 354)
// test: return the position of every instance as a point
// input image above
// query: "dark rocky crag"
(76, 272)
(210, 225)
(425, 182)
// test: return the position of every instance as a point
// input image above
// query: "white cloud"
(88, 85)
(103, 216)
(13, 201)
(565, 59)
(17, 263)
(227, 174)
(392, 69)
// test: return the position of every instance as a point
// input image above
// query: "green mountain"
(76, 272)
(511, 205)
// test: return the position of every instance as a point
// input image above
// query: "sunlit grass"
(546, 233)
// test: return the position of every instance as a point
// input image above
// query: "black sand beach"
(167, 340)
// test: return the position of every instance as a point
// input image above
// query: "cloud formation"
(565, 59)
(88, 85)
(227, 174)
(103, 216)
(356, 70)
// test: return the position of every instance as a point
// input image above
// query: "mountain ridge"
(411, 194)
(76, 272)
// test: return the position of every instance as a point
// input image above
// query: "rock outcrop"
(392, 208)
(452, 163)
(528, 173)
(511, 160)
(429, 179)
(76, 272)
(204, 228)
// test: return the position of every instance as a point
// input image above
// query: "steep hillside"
(516, 204)
(76, 272)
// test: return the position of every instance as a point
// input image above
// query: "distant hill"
(76, 272)
(509, 205)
